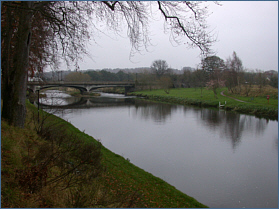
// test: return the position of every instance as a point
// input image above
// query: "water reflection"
(231, 125)
(211, 117)
(53, 100)
(223, 159)
(157, 112)
(276, 143)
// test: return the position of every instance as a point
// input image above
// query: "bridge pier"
(84, 92)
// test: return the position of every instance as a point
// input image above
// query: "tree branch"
(179, 24)
(197, 39)
(191, 8)
(111, 6)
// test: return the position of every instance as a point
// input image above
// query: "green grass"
(187, 93)
(154, 192)
(190, 96)
(257, 100)
(183, 96)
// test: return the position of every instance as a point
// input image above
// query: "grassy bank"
(51, 164)
(254, 105)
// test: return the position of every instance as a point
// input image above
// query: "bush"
(62, 160)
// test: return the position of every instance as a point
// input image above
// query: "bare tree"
(235, 73)
(199, 76)
(214, 67)
(166, 83)
(261, 80)
(60, 24)
(159, 67)
(214, 84)
(212, 64)
(64, 27)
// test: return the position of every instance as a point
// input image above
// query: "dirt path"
(222, 93)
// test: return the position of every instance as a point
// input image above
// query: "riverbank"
(257, 106)
(40, 161)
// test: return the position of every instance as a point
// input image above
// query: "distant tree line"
(213, 73)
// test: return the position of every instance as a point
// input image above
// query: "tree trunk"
(15, 70)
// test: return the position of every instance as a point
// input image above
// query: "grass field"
(254, 104)
(257, 100)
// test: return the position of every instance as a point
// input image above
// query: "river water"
(222, 159)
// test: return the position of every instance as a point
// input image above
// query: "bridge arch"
(81, 89)
(81, 86)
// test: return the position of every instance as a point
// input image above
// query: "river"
(222, 159)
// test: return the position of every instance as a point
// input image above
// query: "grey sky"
(250, 28)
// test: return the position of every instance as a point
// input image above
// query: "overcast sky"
(250, 28)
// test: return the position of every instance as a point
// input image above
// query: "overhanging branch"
(111, 6)
(198, 38)
(179, 24)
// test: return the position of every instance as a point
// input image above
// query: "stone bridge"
(84, 87)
